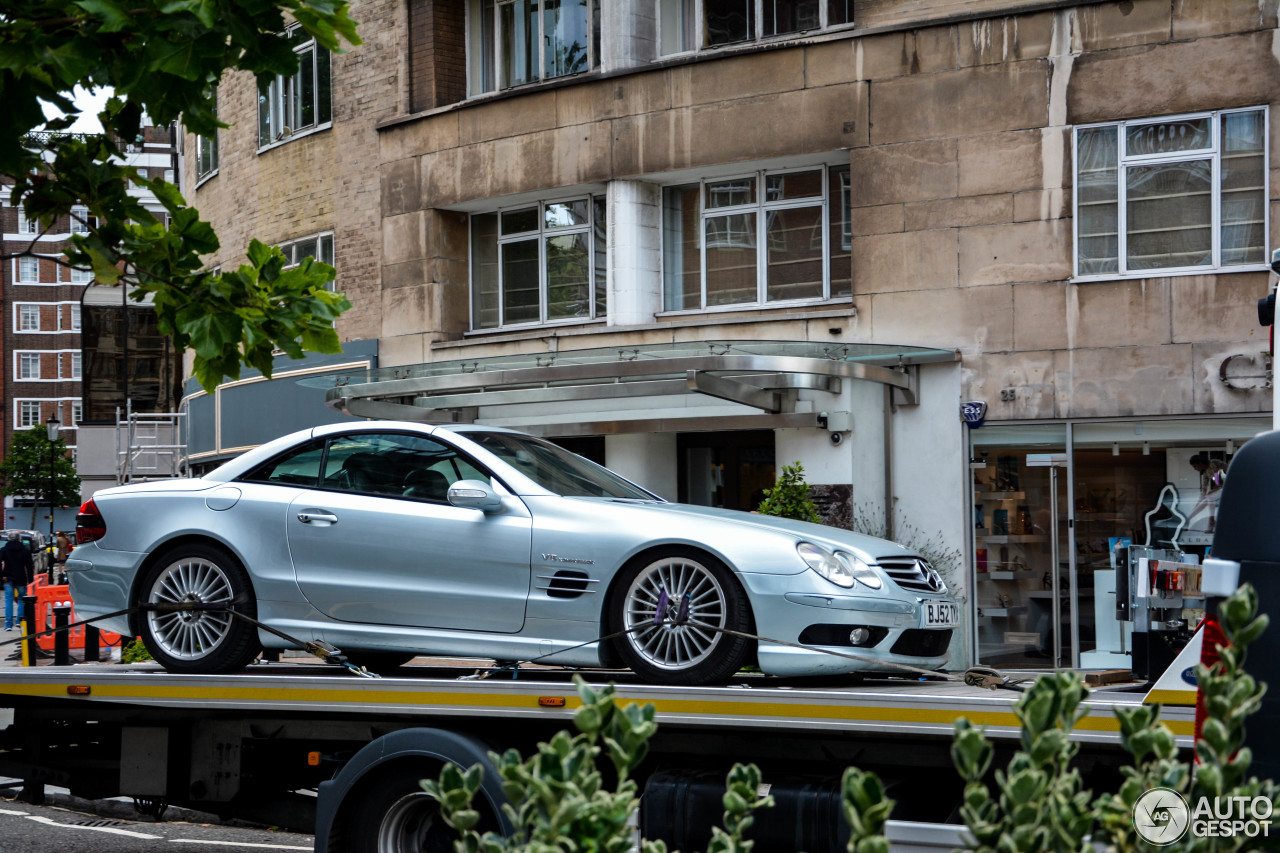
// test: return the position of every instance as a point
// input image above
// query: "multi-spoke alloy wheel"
(671, 606)
(190, 634)
(198, 640)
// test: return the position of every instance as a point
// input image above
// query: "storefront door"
(726, 469)
(1021, 546)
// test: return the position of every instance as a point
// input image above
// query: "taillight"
(1210, 643)
(90, 525)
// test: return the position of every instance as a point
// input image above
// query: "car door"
(376, 542)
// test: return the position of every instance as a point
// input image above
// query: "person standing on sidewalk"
(19, 570)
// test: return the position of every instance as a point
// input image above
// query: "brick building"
(648, 229)
(44, 367)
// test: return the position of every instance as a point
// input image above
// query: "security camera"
(837, 438)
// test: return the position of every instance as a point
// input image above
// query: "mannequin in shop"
(1204, 514)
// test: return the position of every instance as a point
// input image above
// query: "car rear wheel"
(207, 641)
(672, 606)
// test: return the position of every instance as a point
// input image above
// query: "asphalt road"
(50, 829)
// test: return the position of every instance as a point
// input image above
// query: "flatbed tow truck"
(311, 748)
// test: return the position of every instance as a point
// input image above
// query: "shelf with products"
(1000, 496)
(1001, 612)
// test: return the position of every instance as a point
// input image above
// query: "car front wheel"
(673, 607)
(205, 641)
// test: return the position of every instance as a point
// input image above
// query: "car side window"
(301, 467)
(395, 465)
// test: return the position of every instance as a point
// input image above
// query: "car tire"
(681, 654)
(394, 815)
(202, 641)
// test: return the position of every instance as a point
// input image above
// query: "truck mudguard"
(436, 744)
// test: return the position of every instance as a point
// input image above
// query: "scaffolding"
(149, 445)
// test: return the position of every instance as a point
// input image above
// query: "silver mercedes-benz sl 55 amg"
(390, 540)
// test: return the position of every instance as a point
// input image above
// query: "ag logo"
(1161, 816)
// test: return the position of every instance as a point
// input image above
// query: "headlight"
(859, 570)
(825, 564)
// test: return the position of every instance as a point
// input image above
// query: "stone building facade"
(1057, 209)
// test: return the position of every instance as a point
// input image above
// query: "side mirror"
(473, 494)
(1275, 261)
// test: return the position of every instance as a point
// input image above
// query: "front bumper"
(786, 606)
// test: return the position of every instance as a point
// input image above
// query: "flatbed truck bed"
(302, 745)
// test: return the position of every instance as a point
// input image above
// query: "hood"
(870, 548)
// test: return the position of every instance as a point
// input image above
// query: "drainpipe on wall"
(888, 462)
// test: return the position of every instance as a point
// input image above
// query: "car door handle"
(309, 516)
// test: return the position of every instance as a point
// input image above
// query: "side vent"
(566, 583)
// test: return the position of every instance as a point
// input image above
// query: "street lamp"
(51, 426)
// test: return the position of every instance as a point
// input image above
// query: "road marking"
(108, 829)
(8, 811)
(236, 844)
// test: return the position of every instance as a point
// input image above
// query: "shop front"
(1058, 509)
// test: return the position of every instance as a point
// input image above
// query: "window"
(77, 275)
(28, 270)
(287, 105)
(300, 467)
(395, 466)
(75, 317)
(1187, 193)
(25, 225)
(28, 365)
(318, 246)
(77, 412)
(75, 365)
(538, 264)
(206, 150)
(686, 25)
(28, 318)
(760, 238)
(81, 221)
(28, 413)
(522, 41)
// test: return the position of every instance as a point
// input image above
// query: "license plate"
(941, 614)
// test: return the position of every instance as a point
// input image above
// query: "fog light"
(859, 636)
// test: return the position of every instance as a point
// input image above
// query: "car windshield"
(555, 468)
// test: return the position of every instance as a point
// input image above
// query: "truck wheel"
(676, 652)
(205, 641)
(396, 816)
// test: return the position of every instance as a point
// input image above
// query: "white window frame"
(74, 319)
(77, 275)
(541, 233)
(319, 246)
(21, 360)
(22, 409)
(77, 412)
(206, 151)
(22, 312)
(693, 9)
(283, 94)
(479, 52)
(20, 264)
(1213, 154)
(76, 371)
(25, 225)
(762, 208)
(81, 221)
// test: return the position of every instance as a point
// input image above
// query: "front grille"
(908, 573)
(922, 643)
